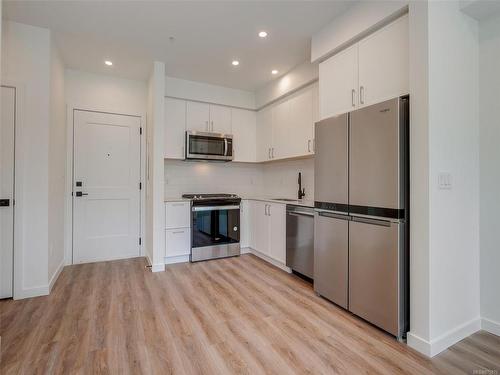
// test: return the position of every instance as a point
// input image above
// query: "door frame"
(70, 110)
(17, 279)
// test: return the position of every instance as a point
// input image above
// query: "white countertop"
(176, 199)
(301, 202)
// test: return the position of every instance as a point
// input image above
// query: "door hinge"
(140, 130)
(140, 240)
(140, 185)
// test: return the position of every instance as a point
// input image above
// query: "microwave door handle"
(225, 146)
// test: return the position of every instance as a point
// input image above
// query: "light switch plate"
(445, 181)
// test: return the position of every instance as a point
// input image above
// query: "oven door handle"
(225, 147)
(214, 208)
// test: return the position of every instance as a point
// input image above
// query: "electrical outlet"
(444, 181)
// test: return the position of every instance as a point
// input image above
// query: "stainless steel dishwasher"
(300, 239)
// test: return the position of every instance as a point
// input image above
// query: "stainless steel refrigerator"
(362, 213)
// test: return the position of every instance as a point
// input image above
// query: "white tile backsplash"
(275, 179)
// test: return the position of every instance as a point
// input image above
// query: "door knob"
(79, 194)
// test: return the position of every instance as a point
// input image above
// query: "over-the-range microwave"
(208, 146)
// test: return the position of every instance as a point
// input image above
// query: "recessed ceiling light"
(274, 71)
(263, 34)
(108, 63)
(235, 62)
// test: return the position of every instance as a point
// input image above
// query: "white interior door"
(7, 126)
(106, 218)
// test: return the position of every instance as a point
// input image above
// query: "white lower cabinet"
(267, 229)
(178, 242)
(177, 231)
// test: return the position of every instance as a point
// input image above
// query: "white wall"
(276, 179)
(357, 22)
(184, 89)
(155, 213)
(26, 62)
(298, 77)
(57, 164)
(489, 63)
(101, 92)
(453, 146)
(281, 178)
(199, 177)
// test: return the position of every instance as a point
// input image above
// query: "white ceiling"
(208, 36)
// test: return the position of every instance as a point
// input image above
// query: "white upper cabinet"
(300, 126)
(244, 130)
(264, 134)
(220, 119)
(175, 128)
(281, 130)
(369, 72)
(197, 116)
(384, 64)
(286, 129)
(338, 83)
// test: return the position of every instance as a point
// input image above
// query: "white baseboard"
(245, 250)
(159, 267)
(37, 291)
(490, 326)
(269, 260)
(443, 342)
(177, 259)
(55, 276)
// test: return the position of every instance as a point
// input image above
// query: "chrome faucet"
(302, 191)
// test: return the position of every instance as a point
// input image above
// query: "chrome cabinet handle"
(269, 153)
(308, 145)
(353, 94)
(362, 94)
(272, 152)
(206, 126)
(212, 126)
(179, 232)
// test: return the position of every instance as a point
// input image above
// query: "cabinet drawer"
(178, 242)
(178, 215)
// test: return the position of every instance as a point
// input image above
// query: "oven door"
(209, 146)
(215, 232)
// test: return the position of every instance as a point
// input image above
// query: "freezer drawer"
(374, 291)
(330, 163)
(331, 254)
(375, 156)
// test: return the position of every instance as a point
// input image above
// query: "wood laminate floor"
(230, 316)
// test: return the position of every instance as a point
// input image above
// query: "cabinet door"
(175, 128)
(244, 135)
(280, 147)
(300, 124)
(245, 217)
(338, 83)
(197, 116)
(261, 227)
(264, 134)
(220, 119)
(277, 241)
(315, 106)
(384, 63)
(177, 242)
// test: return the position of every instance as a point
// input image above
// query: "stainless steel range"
(215, 226)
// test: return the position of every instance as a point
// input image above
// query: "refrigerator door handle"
(382, 223)
(334, 216)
